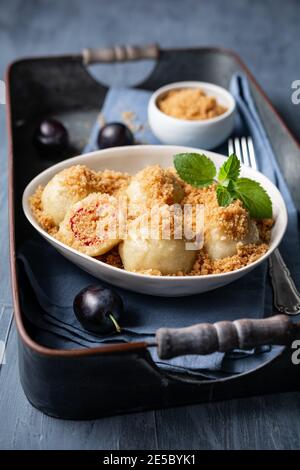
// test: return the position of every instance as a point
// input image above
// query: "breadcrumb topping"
(161, 185)
(112, 258)
(112, 182)
(44, 220)
(265, 229)
(164, 187)
(246, 254)
(79, 180)
(233, 220)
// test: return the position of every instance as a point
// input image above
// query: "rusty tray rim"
(111, 348)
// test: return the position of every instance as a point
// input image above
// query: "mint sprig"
(230, 170)
(224, 196)
(194, 168)
(199, 171)
(254, 197)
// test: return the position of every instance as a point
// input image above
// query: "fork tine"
(230, 147)
(238, 149)
(245, 151)
(251, 151)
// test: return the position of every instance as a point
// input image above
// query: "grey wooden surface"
(266, 35)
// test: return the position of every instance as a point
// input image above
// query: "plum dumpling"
(147, 249)
(65, 188)
(153, 185)
(90, 225)
(226, 227)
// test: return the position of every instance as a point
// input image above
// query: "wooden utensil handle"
(206, 338)
(119, 54)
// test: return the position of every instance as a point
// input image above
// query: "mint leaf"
(195, 169)
(230, 170)
(224, 196)
(199, 171)
(254, 197)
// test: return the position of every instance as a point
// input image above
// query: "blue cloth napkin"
(120, 102)
(268, 165)
(250, 296)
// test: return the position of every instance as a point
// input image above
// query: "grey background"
(266, 35)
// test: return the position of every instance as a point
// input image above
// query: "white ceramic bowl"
(206, 134)
(133, 159)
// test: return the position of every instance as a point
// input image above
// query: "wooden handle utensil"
(119, 54)
(206, 338)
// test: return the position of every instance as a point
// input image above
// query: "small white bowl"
(206, 133)
(131, 159)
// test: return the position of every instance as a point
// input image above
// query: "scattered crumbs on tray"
(101, 119)
(129, 118)
(82, 143)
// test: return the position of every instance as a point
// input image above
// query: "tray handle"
(206, 338)
(119, 54)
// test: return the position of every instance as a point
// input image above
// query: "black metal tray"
(116, 378)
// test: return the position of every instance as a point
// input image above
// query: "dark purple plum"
(98, 309)
(51, 135)
(114, 134)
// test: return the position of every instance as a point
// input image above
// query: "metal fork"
(286, 295)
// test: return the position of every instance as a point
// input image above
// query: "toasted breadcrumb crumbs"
(45, 221)
(112, 182)
(128, 116)
(191, 104)
(233, 219)
(159, 185)
(265, 229)
(130, 119)
(151, 272)
(79, 180)
(101, 119)
(162, 185)
(246, 254)
(112, 258)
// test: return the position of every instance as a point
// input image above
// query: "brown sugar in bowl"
(204, 133)
(191, 104)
